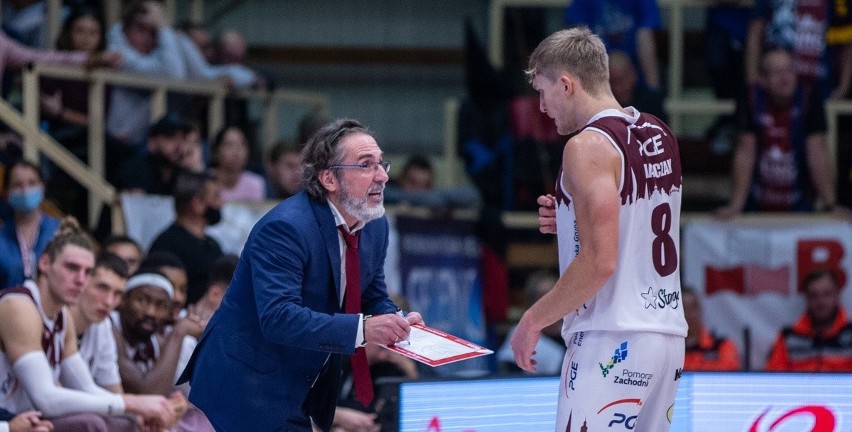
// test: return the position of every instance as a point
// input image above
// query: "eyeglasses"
(371, 166)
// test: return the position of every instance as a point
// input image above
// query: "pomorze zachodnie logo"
(617, 356)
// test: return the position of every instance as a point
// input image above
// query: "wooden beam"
(356, 55)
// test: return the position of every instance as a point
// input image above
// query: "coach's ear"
(328, 180)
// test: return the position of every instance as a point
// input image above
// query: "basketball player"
(39, 362)
(616, 215)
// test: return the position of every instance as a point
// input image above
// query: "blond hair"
(69, 232)
(576, 50)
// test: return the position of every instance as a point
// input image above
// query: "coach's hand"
(389, 329)
(523, 342)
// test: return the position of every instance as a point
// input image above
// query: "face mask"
(26, 200)
(213, 215)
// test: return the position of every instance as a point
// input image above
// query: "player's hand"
(523, 343)
(386, 329)
(155, 409)
(29, 421)
(547, 214)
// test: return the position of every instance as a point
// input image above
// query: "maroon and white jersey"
(13, 396)
(644, 292)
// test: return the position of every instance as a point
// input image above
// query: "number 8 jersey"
(644, 292)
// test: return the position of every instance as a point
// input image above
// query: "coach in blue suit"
(270, 358)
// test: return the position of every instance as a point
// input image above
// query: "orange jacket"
(799, 349)
(712, 354)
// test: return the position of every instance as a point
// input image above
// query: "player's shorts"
(619, 381)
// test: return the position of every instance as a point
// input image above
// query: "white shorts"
(619, 381)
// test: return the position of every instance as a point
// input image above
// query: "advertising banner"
(439, 272)
(749, 272)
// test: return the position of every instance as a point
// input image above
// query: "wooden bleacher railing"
(35, 141)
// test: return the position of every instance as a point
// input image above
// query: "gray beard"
(359, 207)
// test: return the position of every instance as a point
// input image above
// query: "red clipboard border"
(479, 350)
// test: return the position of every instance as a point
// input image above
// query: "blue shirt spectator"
(624, 25)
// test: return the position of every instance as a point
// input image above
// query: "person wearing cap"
(197, 205)
(307, 295)
(147, 360)
(154, 171)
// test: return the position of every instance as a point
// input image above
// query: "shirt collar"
(338, 219)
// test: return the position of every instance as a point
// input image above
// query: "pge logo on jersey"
(618, 355)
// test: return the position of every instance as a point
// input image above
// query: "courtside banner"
(705, 402)
(749, 271)
(439, 261)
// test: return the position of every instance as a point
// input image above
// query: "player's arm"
(20, 328)
(592, 169)
(741, 174)
(592, 174)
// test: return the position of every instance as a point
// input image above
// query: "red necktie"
(352, 304)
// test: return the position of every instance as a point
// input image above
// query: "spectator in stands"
(705, 351)
(799, 26)
(550, 350)
(29, 421)
(91, 314)
(125, 248)
(154, 172)
(148, 362)
(839, 39)
(197, 205)
(220, 278)
(821, 340)
(15, 55)
(283, 170)
(230, 155)
(626, 88)
(781, 161)
(232, 47)
(198, 67)
(201, 38)
(40, 360)
(65, 105)
(24, 20)
(415, 187)
(624, 25)
(724, 41)
(25, 236)
(170, 266)
(149, 47)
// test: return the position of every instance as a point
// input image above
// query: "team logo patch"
(618, 356)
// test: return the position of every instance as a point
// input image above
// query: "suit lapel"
(328, 230)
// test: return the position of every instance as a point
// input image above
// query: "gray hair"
(576, 50)
(323, 151)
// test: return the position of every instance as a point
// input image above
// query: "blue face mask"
(26, 200)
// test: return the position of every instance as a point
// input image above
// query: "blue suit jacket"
(271, 355)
